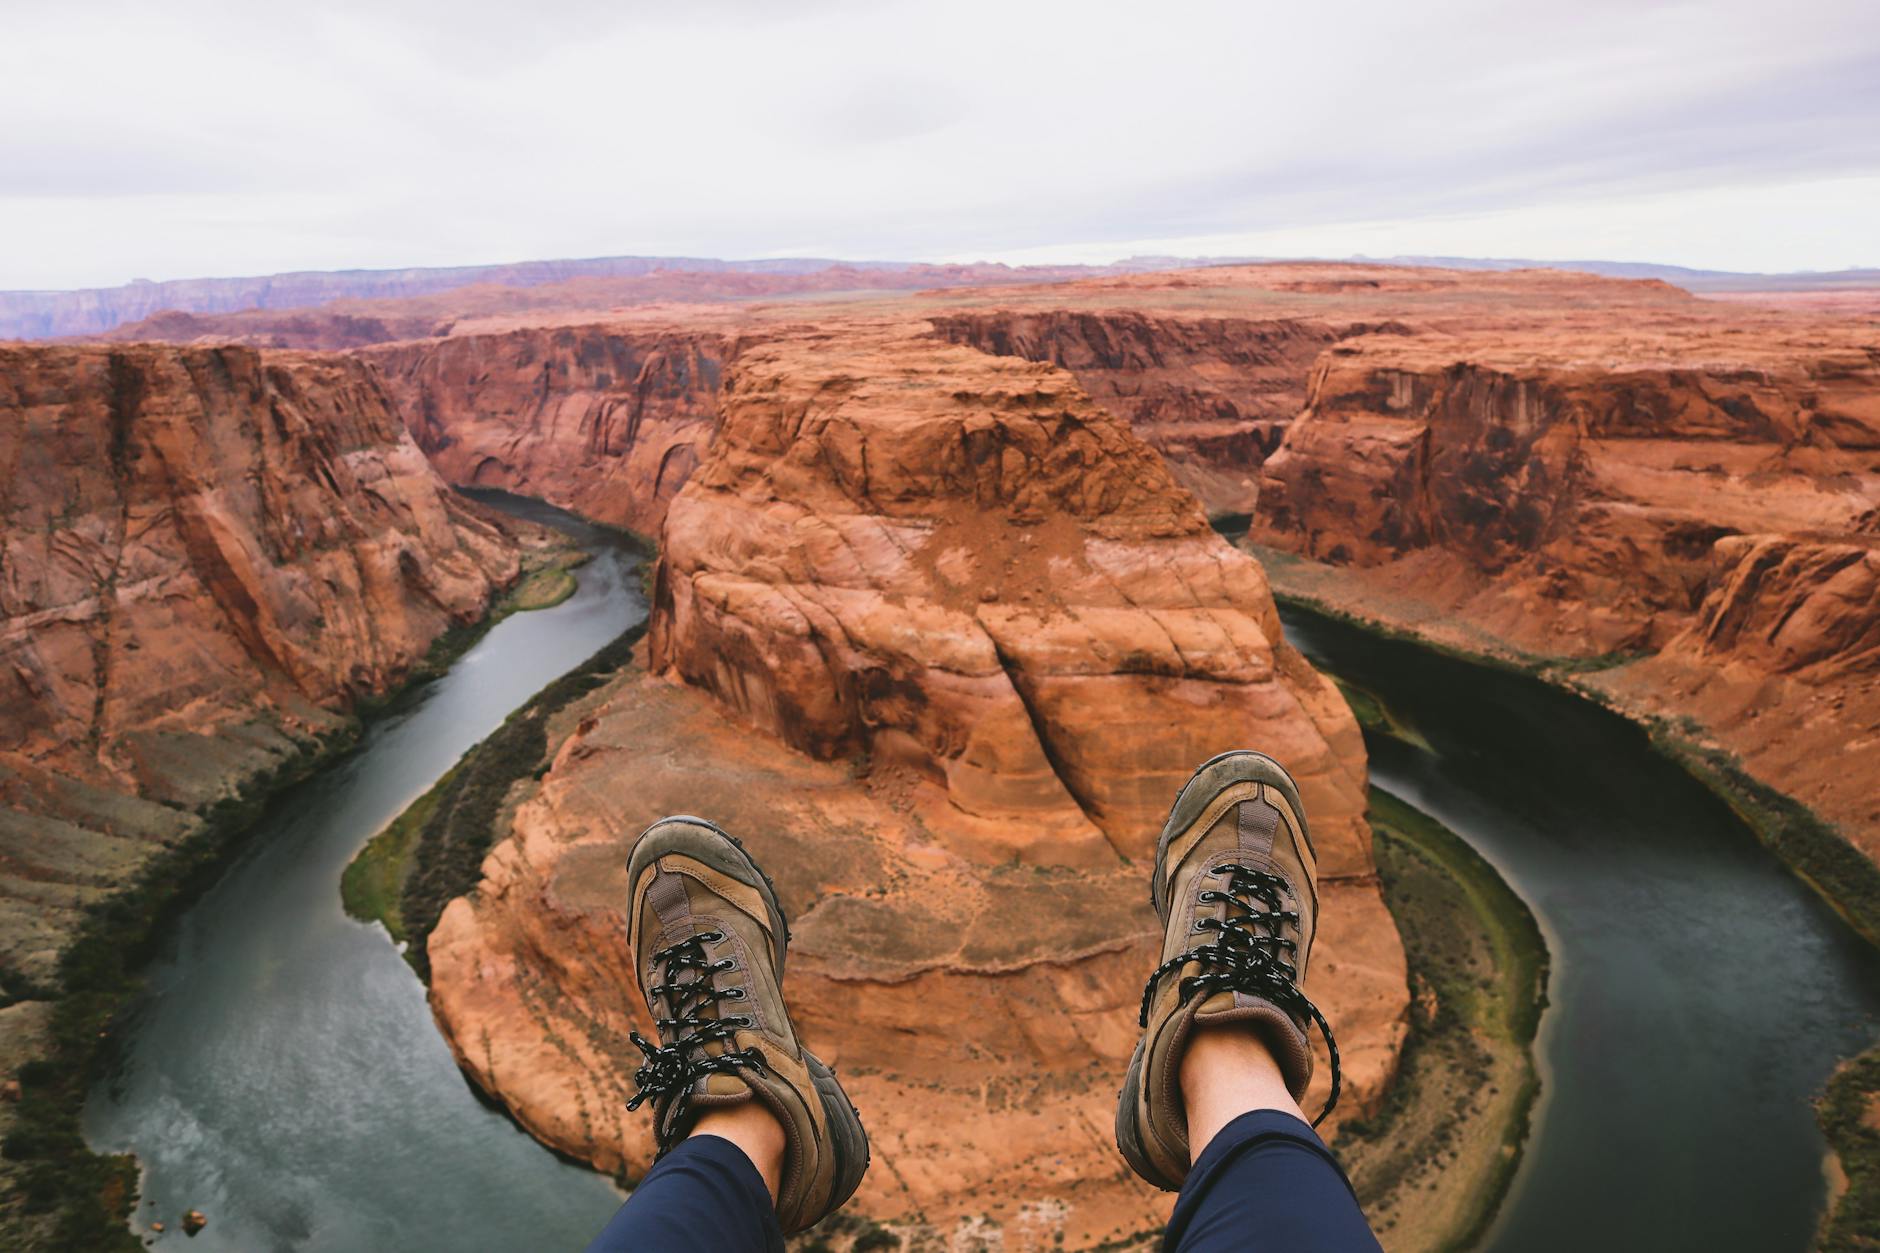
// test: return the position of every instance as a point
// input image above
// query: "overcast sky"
(195, 138)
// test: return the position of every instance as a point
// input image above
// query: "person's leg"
(706, 1196)
(1262, 1179)
(1209, 1105)
(757, 1138)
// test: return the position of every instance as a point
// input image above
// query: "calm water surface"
(283, 1074)
(1700, 994)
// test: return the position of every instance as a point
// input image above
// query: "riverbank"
(1810, 847)
(1805, 842)
(1849, 1111)
(431, 853)
(1432, 1165)
(54, 1190)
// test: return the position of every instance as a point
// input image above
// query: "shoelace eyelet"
(1243, 959)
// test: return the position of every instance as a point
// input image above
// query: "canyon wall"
(604, 420)
(939, 639)
(1212, 395)
(1705, 498)
(316, 329)
(205, 556)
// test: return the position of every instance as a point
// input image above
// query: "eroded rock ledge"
(605, 420)
(1212, 395)
(207, 554)
(939, 638)
(1699, 502)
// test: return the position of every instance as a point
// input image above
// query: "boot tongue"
(713, 1090)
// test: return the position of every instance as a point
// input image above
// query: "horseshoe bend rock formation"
(604, 420)
(939, 639)
(207, 552)
(1705, 496)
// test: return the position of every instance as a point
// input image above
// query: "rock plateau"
(940, 638)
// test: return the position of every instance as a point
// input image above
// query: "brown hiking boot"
(708, 937)
(1235, 884)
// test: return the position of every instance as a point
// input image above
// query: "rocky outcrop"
(904, 550)
(208, 555)
(1703, 496)
(1590, 492)
(604, 420)
(1212, 395)
(1792, 606)
(940, 639)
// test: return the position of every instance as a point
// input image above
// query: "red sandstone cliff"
(605, 420)
(1706, 495)
(202, 554)
(939, 638)
(1212, 395)
(1211, 365)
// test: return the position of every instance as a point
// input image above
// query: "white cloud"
(213, 138)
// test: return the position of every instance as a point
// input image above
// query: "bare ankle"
(1228, 1071)
(755, 1130)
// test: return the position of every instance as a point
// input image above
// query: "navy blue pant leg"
(1268, 1184)
(703, 1197)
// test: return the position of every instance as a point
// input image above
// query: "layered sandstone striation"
(1212, 395)
(606, 420)
(1211, 365)
(208, 556)
(1702, 494)
(939, 638)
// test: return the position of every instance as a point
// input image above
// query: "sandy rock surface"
(939, 638)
